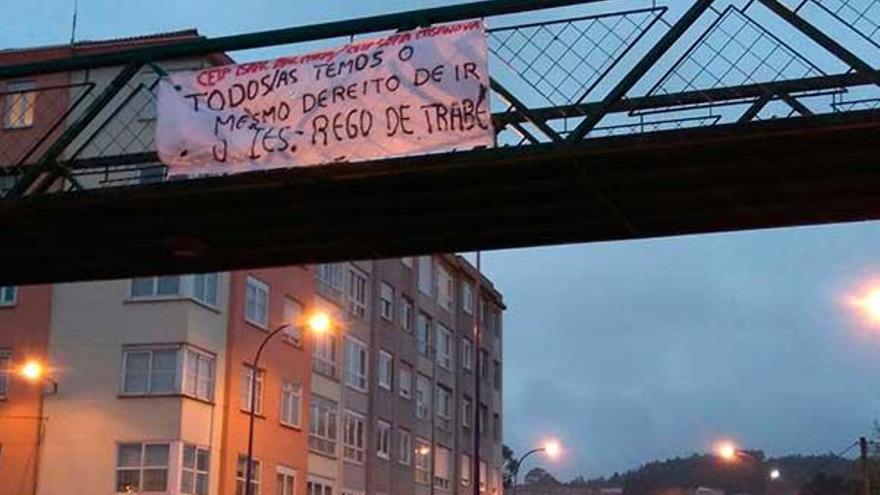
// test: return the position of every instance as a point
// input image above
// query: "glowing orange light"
(726, 451)
(423, 450)
(552, 449)
(319, 323)
(869, 304)
(32, 370)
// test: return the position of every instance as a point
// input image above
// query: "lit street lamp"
(34, 372)
(551, 449)
(729, 452)
(867, 302)
(319, 323)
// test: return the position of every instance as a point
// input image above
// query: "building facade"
(154, 374)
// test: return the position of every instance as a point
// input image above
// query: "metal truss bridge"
(614, 120)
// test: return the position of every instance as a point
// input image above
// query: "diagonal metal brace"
(47, 164)
(524, 110)
(640, 69)
(818, 36)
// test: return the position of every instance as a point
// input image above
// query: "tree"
(509, 466)
(538, 476)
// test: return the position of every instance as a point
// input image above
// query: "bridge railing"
(562, 71)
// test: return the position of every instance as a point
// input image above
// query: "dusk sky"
(625, 351)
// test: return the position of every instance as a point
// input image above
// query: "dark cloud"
(632, 351)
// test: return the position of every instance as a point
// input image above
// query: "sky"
(624, 351)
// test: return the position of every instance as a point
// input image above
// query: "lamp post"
(35, 372)
(730, 453)
(551, 448)
(318, 323)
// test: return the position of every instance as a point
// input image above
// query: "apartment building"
(154, 374)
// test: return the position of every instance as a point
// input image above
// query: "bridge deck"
(798, 171)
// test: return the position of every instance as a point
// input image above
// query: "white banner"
(412, 92)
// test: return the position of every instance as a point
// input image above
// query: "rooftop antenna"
(73, 24)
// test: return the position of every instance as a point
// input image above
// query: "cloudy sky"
(630, 351)
(625, 351)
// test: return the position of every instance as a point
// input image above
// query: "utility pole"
(478, 308)
(866, 479)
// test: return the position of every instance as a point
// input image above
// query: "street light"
(729, 452)
(318, 323)
(35, 372)
(867, 302)
(551, 449)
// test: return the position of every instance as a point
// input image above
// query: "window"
(322, 425)
(8, 296)
(426, 277)
(405, 381)
(330, 274)
(142, 467)
(486, 319)
(423, 396)
(467, 411)
(484, 364)
(5, 360)
(484, 419)
(467, 354)
(247, 381)
(204, 288)
(444, 406)
(404, 446)
(291, 400)
(150, 371)
(241, 475)
(496, 374)
(20, 102)
(166, 370)
(324, 354)
(356, 364)
(194, 469)
(198, 378)
(483, 476)
(465, 470)
(293, 311)
(353, 432)
(285, 481)
(406, 314)
(383, 439)
(357, 294)
(445, 288)
(150, 287)
(386, 301)
(496, 426)
(444, 347)
(256, 306)
(386, 370)
(442, 467)
(423, 461)
(423, 334)
(201, 287)
(319, 487)
(467, 298)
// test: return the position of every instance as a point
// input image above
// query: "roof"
(13, 56)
